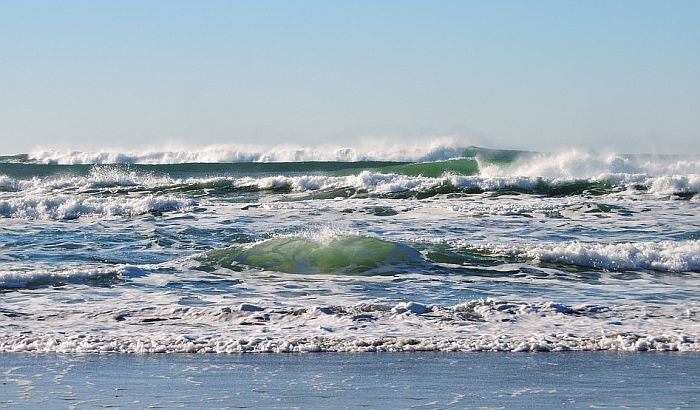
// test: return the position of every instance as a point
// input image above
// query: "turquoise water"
(461, 249)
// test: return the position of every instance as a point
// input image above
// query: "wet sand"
(401, 380)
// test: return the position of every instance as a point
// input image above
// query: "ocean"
(444, 249)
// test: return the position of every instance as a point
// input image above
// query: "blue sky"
(622, 75)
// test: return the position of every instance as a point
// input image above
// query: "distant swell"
(439, 149)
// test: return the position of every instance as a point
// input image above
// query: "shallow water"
(497, 250)
(418, 380)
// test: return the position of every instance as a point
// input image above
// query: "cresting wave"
(380, 183)
(114, 180)
(34, 276)
(99, 177)
(67, 207)
(337, 253)
(332, 254)
(577, 164)
(666, 256)
(571, 164)
(438, 149)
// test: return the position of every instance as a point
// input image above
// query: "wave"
(561, 174)
(348, 254)
(437, 149)
(666, 256)
(380, 183)
(99, 177)
(41, 275)
(571, 164)
(576, 164)
(68, 207)
(115, 181)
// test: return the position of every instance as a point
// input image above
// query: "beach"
(415, 380)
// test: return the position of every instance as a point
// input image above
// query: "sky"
(539, 75)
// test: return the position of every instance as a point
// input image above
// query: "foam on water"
(479, 325)
(99, 177)
(66, 207)
(496, 251)
(576, 164)
(667, 256)
(376, 183)
(33, 276)
(437, 149)
(565, 173)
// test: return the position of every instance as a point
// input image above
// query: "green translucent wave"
(342, 255)
(21, 166)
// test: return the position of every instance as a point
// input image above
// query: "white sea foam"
(379, 183)
(632, 342)
(478, 325)
(369, 150)
(664, 256)
(108, 180)
(65, 207)
(576, 164)
(661, 174)
(42, 275)
(669, 256)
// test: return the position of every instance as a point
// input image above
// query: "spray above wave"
(575, 164)
(439, 149)
(661, 174)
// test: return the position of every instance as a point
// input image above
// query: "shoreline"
(435, 379)
(618, 342)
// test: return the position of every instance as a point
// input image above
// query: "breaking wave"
(439, 149)
(67, 207)
(377, 182)
(666, 256)
(43, 275)
(349, 254)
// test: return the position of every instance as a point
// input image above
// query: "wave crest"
(43, 275)
(576, 164)
(111, 180)
(67, 207)
(348, 254)
(438, 149)
(665, 256)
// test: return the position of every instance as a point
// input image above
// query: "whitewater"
(441, 247)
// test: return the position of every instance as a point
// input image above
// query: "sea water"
(434, 380)
(445, 248)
